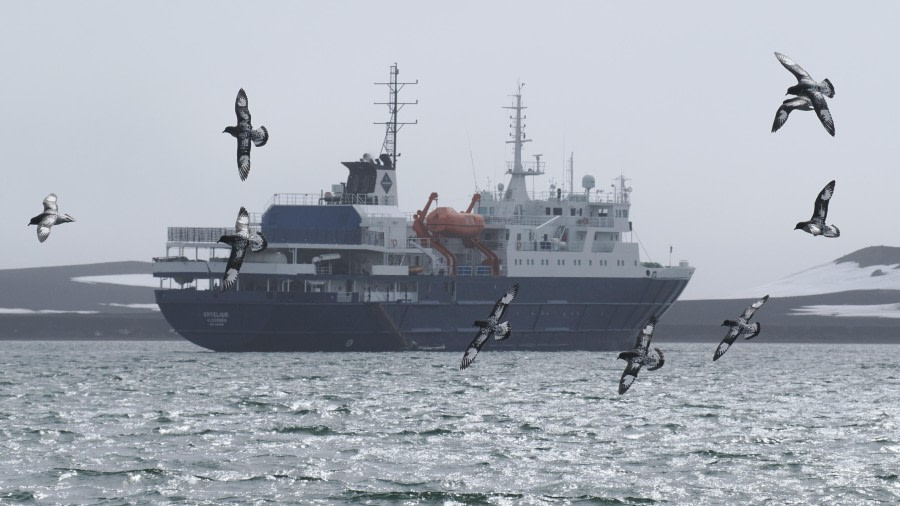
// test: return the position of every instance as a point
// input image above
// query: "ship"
(349, 270)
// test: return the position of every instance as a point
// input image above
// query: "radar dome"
(587, 182)
(500, 187)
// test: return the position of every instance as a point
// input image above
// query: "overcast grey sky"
(118, 107)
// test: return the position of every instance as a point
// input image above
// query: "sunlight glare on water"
(166, 421)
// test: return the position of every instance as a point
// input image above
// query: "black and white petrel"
(490, 327)
(239, 242)
(641, 355)
(781, 116)
(740, 328)
(807, 87)
(816, 225)
(244, 133)
(51, 216)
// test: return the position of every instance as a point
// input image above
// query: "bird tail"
(756, 327)
(260, 136)
(827, 88)
(502, 331)
(657, 361)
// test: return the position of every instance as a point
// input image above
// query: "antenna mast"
(392, 126)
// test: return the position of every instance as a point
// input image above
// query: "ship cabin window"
(603, 212)
(519, 236)
(557, 211)
(507, 234)
(580, 210)
(596, 236)
(572, 211)
(590, 262)
(547, 209)
(482, 210)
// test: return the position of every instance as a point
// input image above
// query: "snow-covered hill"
(872, 268)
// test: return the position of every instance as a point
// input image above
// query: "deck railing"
(203, 235)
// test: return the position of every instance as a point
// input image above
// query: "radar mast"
(392, 126)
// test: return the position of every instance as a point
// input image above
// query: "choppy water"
(92, 422)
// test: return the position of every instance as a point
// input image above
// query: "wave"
(425, 496)
(18, 496)
(315, 430)
(152, 471)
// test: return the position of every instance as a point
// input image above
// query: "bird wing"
(238, 250)
(821, 107)
(503, 303)
(43, 229)
(629, 375)
(642, 343)
(242, 224)
(792, 66)
(50, 203)
(727, 341)
(243, 155)
(258, 242)
(748, 313)
(781, 116)
(260, 136)
(242, 110)
(474, 347)
(820, 211)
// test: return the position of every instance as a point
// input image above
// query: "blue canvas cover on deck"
(312, 224)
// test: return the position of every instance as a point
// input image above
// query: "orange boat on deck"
(448, 222)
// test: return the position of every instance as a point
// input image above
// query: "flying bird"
(490, 327)
(641, 355)
(239, 242)
(244, 133)
(781, 116)
(816, 225)
(51, 216)
(740, 328)
(807, 87)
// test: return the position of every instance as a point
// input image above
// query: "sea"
(95, 422)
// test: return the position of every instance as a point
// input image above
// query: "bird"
(740, 328)
(490, 327)
(641, 355)
(800, 103)
(244, 133)
(239, 242)
(815, 92)
(51, 216)
(816, 225)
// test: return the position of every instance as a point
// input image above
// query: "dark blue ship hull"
(600, 314)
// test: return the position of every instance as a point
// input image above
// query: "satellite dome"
(587, 182)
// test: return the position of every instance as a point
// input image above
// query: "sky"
(118, 108)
